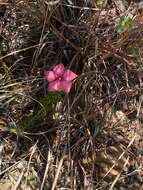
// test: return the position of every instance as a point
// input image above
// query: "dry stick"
(2, 172)
(1, 150)
(15, 52)
(78, 96)
(59, 35)
(2, 3)
(78, 7)
(19, 180)
(75, 180)
(46, 170)
(33, 151)
(40, 132)
(14, 83)
(40, 41)
(58, 172)
(140, 105)
(136, 171)
(20, 50)
(52, 3)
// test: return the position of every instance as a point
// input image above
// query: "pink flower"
(60, 79)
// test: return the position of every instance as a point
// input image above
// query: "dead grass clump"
(92, 138)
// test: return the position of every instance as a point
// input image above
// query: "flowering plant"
(60, 79)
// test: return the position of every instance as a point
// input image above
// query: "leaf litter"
(92, 138)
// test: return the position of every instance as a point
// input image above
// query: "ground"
(91, 138)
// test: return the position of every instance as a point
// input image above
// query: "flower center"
(60, 78)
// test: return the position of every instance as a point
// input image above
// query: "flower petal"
(69, 75)
(59, 70)
(55, 86)
(66, 86)
(50, 76)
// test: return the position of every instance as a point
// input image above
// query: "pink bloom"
(60, 79)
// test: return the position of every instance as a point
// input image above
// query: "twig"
(58, 172)
(46, 170)
(19, 180)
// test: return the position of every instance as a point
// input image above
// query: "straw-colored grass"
(92, 138)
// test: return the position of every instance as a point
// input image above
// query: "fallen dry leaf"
(109, 163)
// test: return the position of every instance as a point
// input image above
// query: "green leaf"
(55, 97)
(52, 97)
(124, 24)
(31, 177)
(29, 121)
(45, 106)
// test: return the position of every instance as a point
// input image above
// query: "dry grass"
(92, 138)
